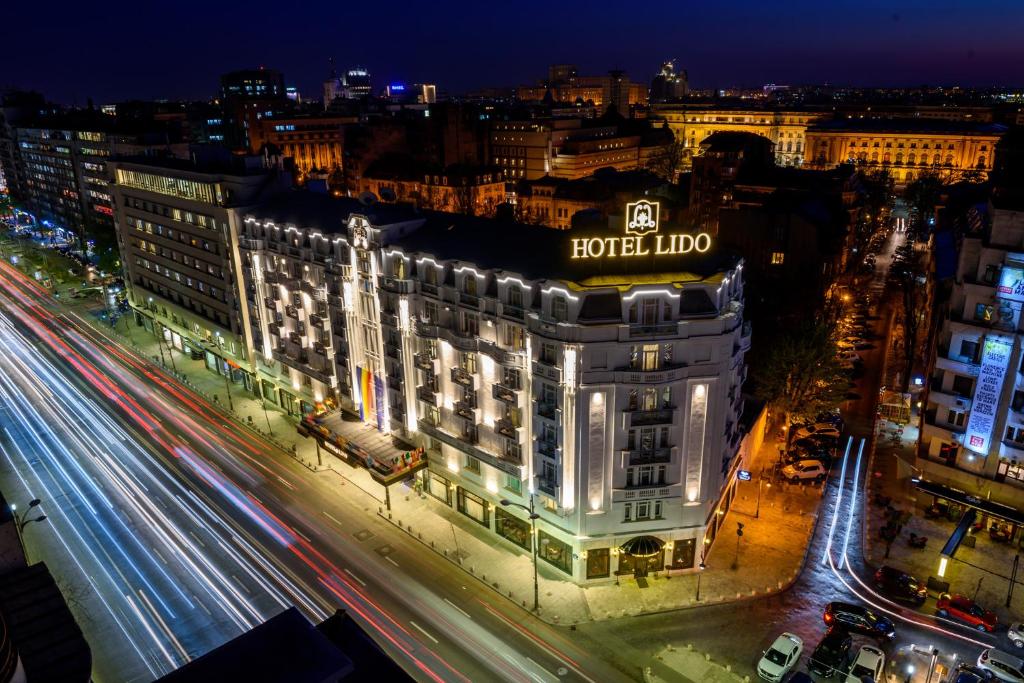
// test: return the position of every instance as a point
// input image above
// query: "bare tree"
(668, 162)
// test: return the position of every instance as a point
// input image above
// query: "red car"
(964, 609)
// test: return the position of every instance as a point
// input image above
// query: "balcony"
(656, 330)
(388, 318)
(647, 456)
(391, 350)
(423, 361)
(270, 302)
(469, 300)
(317, 320)
(505, 427)
(428, 330)
(427, 395)
(460, 376)
(320, 348)
(647, 418)
(295, 338)
(513, 312)
(392, 284)
(465, 410)
(548, 449)
(293, 312)
(292, 284)
(465, 442)
(335, 299)
(547, 487)
(464, 339)
(272, 277)
(505, 394)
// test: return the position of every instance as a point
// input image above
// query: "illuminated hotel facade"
(606, 389)
(972, 427)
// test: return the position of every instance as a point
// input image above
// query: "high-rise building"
(597, 375)
(357, 83)
(669, 84)
(247, 97)
(177, 224)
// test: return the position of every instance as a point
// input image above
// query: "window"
(778, 258)
(1015, 434)
(515, 297)
(627, 512)
(956, 417)
(548, 353)
(969, 349)
(559, 308)
(1018, 401)
(513, 484)
(963, 386)
(471, 464)
(984, 312)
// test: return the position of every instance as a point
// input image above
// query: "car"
(858, 619)
(817, 429)
(802, 470)
(1016, 634)
(813, 444)
(869, 663)
(851, 356)
(900, 585)
(780, 657)
(967, 673)
(966, 610)
(831, 654)
(821, 455)
(1002, 665)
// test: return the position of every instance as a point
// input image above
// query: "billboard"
(994, 359)
(1011, 284)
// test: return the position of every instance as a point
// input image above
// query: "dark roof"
(210, 159)
(908, 125)
(540, 252)
(49, 641)
(283, 649)
(601, 186)
(321, 211)
(734, 141)
(371, 662)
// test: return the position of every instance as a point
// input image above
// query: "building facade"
(177, 225)
(693, 122)
(315, 143)
(907, 148)
(475, 191)
(530, 366)
(972, 428)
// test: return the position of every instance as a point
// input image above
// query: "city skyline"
(909, 45)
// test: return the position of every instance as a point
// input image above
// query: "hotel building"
(972, 428)
(596, 376)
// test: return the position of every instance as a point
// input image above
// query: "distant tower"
(357, 83)
(669, 84)
(332, 86)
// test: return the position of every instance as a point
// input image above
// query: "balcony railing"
(427, 395)
(655, 330)
(464, 410)
(648, 456)
(460, 376)
(646, 418)
(427, 288)
(505, 427)
(548, 410)
(469, 299)
(423, 361)
(397, 285)
(504, 393)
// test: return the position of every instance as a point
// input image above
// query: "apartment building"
(972, 428)
(177, 224)
(595, 375)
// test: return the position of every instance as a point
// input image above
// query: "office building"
(597, 374)
(177, 224)
(564, 84)
(669, 84)
(247, 97)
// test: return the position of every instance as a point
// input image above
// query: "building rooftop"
(203, 159)
(533, 251)
(908, 125)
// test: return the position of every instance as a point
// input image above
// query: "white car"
(817, 429)
(851, 356)
(870, 663)
(780, 657)
(801, 470)
(1016, 634)
(1003, 666)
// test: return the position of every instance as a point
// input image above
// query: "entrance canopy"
(643, 546)
(988, 507)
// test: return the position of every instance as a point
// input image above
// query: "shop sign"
(994, 359)
(641, 238)
(743, 475)
(1011, 284)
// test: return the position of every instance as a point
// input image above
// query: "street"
(177, 529)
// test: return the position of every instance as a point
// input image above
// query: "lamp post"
(757, 510)
(21, 521)
(533, 538)
(700, 572)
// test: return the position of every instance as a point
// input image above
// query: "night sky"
(113, 49)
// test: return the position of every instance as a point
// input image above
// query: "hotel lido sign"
(641, 238)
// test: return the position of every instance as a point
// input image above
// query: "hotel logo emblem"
(642, 217)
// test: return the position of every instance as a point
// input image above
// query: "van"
(1003, 666)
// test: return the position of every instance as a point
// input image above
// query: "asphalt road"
(174, 529)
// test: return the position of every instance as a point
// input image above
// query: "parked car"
(967, 673)
(858, 619)
(900, 585)
(966, 610)
(850, 356)
(817, 429)
(803, 470)
(1002, 665)
(821, 455)
(869, 663)
(1016, 634)
(832, 652)
(780, 657)
(812, 444)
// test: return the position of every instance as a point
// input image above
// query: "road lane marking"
(159, 555)
(301, 535)
(391, 561)
(200, 603)
(534, 662)
(458, 608)
(198, 540)
(239, 582)
(361, 582)
(420, 629)
(334, 519)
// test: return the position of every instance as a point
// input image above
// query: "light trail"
(839, 501)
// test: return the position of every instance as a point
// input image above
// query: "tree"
(668, 162)
(907, 275)
(922, 195)
(801, 376)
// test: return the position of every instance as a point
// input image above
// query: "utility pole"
(739, 535)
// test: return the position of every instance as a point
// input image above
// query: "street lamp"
(700, 572)
(21, 521)
(533, 541)
(757, 510)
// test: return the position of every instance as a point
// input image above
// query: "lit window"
(778, 258)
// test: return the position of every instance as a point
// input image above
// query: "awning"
(643, 546)
(989, 507)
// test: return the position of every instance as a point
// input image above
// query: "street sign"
(743, 475)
